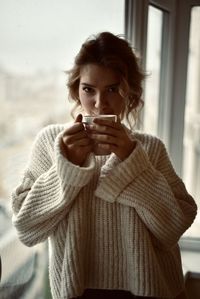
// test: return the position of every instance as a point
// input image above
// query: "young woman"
(112, 220)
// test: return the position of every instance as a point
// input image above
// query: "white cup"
(88, 119)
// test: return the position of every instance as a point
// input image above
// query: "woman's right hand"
(75, 143)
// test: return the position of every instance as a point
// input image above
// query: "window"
(38, 43)
(39, 40)
(172, 93)
(153, 68)
(191, 154)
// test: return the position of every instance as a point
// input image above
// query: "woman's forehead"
(94, 74)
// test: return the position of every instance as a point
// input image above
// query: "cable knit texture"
(111, 224)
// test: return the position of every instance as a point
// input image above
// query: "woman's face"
(99, 90)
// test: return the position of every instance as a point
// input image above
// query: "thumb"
(78, 118)
(118, 119)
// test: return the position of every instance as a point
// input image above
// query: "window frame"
(175, 44)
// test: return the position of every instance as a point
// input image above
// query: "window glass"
(153, 65)
(191, 157)
(39, 40)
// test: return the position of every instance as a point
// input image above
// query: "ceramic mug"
(88, 119)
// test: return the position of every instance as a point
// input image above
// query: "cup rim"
(101, 116)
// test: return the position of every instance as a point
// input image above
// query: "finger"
(80, 142)
(108, 147)
(70, 139)
(81, 150)
(78, 118)
(104, 138)
(108, 123)
(75, 128)
(103, 129)
(118, 119)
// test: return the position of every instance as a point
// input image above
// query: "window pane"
(191, 160)
(38, 43)
(39, 40)
(153, 65)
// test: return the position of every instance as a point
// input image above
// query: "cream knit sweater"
(110, 224)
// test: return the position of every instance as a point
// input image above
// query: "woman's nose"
(101, 101)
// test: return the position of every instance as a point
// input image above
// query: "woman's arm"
(155, 191)
(48, 189)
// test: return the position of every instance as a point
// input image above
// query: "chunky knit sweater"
(111, 224)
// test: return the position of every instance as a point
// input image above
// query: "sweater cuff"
(123, 174)
(71, 174)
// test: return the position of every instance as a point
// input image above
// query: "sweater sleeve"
(156, 193)
(48, 189)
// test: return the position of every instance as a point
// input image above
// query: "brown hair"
(111, 51)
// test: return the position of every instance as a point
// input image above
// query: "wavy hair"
(114, 52)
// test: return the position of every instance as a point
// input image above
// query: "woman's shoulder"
(45, 138)
(51, 131)
(147, 139)
(153, 145)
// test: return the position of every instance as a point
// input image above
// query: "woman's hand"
(75, 144)
(112, 137)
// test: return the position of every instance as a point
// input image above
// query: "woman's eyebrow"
(109, 85)
(113, 84)
(87, 84)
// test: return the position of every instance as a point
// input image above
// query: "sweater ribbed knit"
(111, 224)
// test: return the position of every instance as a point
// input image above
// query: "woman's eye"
(88, 89)
(113, 89)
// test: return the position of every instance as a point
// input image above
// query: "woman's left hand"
(112, 137)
